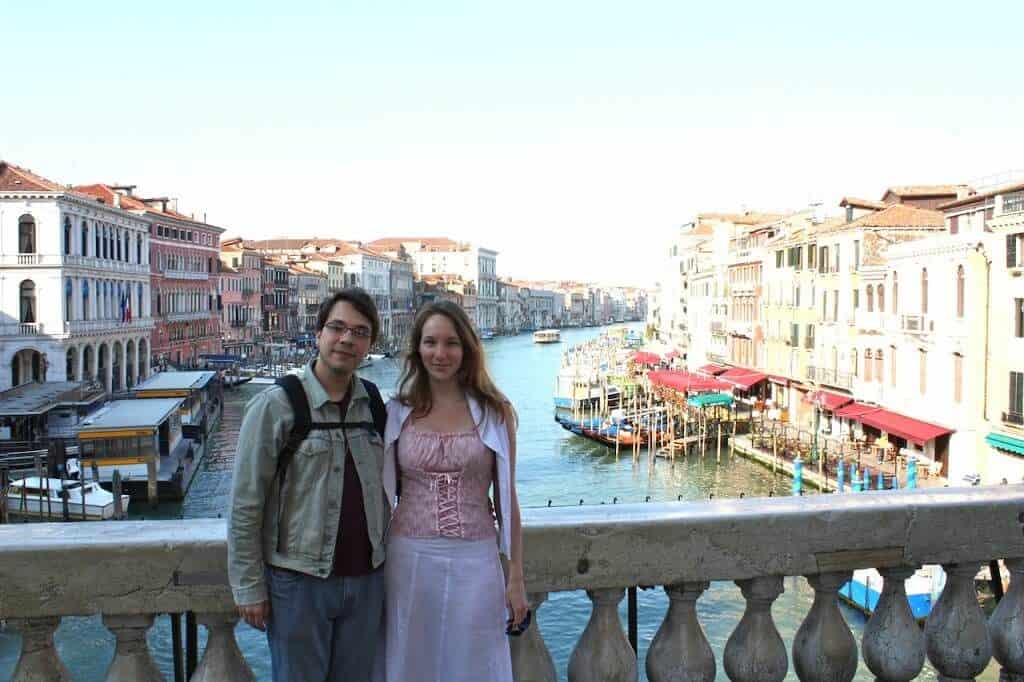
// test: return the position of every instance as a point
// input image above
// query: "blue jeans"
(324, 629)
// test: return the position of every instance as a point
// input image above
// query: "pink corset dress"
(445, 591)
(445, 482)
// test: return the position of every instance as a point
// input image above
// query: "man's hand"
(256, 615)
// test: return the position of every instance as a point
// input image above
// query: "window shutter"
(1011, 250)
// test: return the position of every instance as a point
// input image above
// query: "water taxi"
(44, 497)
(201, 394)
(143, 439)
(547, 336)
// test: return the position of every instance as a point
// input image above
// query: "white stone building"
(74, 286)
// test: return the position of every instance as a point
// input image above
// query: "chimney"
(126, 190)
(117, 200)
(818, 213)
(964, 191)
(849, 213)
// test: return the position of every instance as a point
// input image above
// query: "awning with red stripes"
(827, 400)
(902, 426)
(686, 382)
(743, 378)
(712, 369)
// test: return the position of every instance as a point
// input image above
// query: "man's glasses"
(340, 328)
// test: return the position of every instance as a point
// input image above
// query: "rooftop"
(169, 381)
(1017, 187)
(122, 414)
(16, 179)
(39, 398)
(925, 190)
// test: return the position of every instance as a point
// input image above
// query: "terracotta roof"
(895, 216)
(862, 203)
(298, 268)
(390, 243)
(924, 190)
(981, 197)
(276, 244)
(16, 179)
(746, 218)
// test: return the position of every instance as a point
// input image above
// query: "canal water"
(554, 467)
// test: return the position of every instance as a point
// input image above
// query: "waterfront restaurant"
(201, 394)
(903, 436)
(143, 440)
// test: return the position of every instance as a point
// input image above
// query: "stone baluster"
(893, 643)
(1006, 626)
(824, 648)
(39, 661)
(755, 651)
(680, 650)
(222, 659)
(531, 660)
(603, 653)
(132, 660)
(956, 633)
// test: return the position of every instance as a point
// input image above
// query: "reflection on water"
(554, 467)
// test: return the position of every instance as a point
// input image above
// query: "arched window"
(878, 365)
(69, 301)
(881, 298)
(117, 245)
(85, 299)
(28, 301)
(26, 234)
(895, 293)
(867, 365)
(98, 252)
(85, 238)
(138, 250)
(924, 291)
(960, 291)
(67, 236)
(871, 298)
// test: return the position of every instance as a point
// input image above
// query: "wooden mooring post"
(115, 486)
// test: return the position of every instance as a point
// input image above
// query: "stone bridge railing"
(131, 571)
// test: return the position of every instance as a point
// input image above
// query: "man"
(306, 531)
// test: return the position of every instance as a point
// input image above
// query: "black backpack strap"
(302, 423)
(377, 409)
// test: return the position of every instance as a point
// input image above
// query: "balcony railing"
(604, 550)
(57, 260)
(830, 377)
(94, 326)
(31, 259)
(21, 329)
(185, 274)
(916, 324)
(194, 315)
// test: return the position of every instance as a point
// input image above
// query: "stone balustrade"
(130, 571)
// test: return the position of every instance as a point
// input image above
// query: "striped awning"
(1001, 441)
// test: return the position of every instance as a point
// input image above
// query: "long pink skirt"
(445, 611)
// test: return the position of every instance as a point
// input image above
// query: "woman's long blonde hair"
(414, 385)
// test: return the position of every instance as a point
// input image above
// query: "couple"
(328, 482)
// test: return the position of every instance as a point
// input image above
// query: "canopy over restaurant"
(644, 358)
(742, 378)
(686, 382)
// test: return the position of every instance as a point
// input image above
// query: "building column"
(108, 371)
(135, 362)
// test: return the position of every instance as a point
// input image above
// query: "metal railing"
(606, 551)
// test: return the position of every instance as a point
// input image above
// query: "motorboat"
(547, 336)
(36, 496)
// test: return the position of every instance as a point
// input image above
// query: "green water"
(554, 467)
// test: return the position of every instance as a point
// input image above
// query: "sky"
(572, 137)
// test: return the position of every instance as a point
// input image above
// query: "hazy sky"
(572, 137)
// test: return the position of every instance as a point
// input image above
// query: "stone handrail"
(178, 566)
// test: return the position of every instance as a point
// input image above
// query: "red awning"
(686, 382)
(827, 400)
(914, 430)
(672, 354)
(778, 380)
(712, 370)
(743, 378)
(644, 358)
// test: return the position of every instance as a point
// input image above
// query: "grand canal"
(554, 467)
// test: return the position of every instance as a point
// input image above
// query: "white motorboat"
(35, 496)
(547, 336)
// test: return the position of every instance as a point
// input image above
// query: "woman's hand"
(515, 596)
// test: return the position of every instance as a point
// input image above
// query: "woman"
(450, 434)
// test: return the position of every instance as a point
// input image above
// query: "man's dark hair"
(358, 299)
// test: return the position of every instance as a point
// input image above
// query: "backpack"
(303, 423)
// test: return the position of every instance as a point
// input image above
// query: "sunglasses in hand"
(516, 629)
